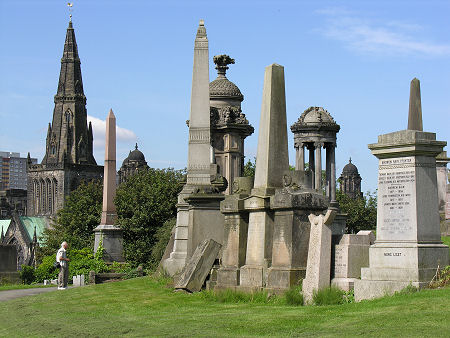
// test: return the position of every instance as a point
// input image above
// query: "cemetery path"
(12, 294)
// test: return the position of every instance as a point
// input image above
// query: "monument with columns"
(198, 210)
(408, 248)
(107, 234)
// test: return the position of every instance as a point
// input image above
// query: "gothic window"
(43, 197)
(68, 115)
(49, 195)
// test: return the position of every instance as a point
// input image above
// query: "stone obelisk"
(107, 234)
(408, 249)
(272, 162)
(198, 211)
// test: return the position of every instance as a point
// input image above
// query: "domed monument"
(229, 127)
(134, 163)
(350, 180)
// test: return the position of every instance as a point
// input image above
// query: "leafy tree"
(76, 221)
(144, 202)
(361, 211)
(249, 169)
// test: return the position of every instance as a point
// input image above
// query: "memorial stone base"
(111, 239)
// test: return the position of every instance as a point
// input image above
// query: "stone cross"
(319, 254)
(109, 214)
(415, 107)
(199, 162)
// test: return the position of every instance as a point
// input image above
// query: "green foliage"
(294, 296)
(46, 270)
(76, 221)
(362, 211)
(328, 296)
(162, 237)
(442, 278)
(349, 296)
(408, 290)
(249, 169)
(144, 202)
(27, 274)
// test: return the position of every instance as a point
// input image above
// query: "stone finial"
(415, 107)
(201, 31)
(222, 62)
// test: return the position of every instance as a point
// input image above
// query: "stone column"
(332, 150)
(328, 171)
(107, 234)
(312, 164)
(300, 158)
(318, 166)
(273, 159)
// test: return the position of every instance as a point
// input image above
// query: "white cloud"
(372, 36)
(99, 130)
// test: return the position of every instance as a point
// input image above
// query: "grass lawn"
(144, 307)
(446, 240)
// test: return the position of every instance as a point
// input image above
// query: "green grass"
(144, 307)
(23, 286)
(446, 240)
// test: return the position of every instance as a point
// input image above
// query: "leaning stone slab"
(319, 255)
(198, 267)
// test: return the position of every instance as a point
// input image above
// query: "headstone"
(319, 255)
(54, 281)
(198, 267)
(198, 208)
(46, 282)
(349, 255)
(107, 234)
(78, 280)
(273, 159)
(408, 248)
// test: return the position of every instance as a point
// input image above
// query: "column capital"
(318, 145)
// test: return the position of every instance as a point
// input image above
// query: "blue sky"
(354, 58)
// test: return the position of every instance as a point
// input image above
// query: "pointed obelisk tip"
(202, 22)
(111, 114)
(415, 107)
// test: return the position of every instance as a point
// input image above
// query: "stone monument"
(198, 208)
(408, 248)
(107, 234)
(319, 255)
(273, 159)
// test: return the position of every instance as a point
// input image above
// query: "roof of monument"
(221, 87)
(350, 168)
(315, 117)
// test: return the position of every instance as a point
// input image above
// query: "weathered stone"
(408, 248)
(8, 258)
(350, 254)
(319, 255)
(198, 267)
(415, 107)
(107, 234)
(78, 280)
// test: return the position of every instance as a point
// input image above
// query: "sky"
(354, 58)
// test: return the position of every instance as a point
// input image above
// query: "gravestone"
(408, 249)
(198, 267)
(78, 280)
(319, 255)
(350, 254)
(8, 258)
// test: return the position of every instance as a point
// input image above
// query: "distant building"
(134, 163)
(13, 200)
(69, 158)
(13, 170)
(350, 180)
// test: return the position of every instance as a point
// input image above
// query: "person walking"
(61, 257)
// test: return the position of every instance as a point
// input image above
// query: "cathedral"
(69, 156)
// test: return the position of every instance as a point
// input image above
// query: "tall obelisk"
(198, 209)
(107, 233)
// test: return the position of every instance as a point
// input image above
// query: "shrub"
(46, 270)
(27, 274)
(328, 296)
(442, 278)
(294, 296)
(349, 296)
(162, 237)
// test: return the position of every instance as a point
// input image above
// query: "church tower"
(69, 155)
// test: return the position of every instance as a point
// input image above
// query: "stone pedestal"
(408, 248)
(111, 239)
(319, 255)
(349, 255)
(235, 233)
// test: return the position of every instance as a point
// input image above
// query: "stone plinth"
(350, 254)
(8, 258)
(319, 255)
(408, 248)
(111, 239)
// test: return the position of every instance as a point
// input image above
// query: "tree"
(361, 211)
(76, 221)
(144, 202)
(249, 169)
